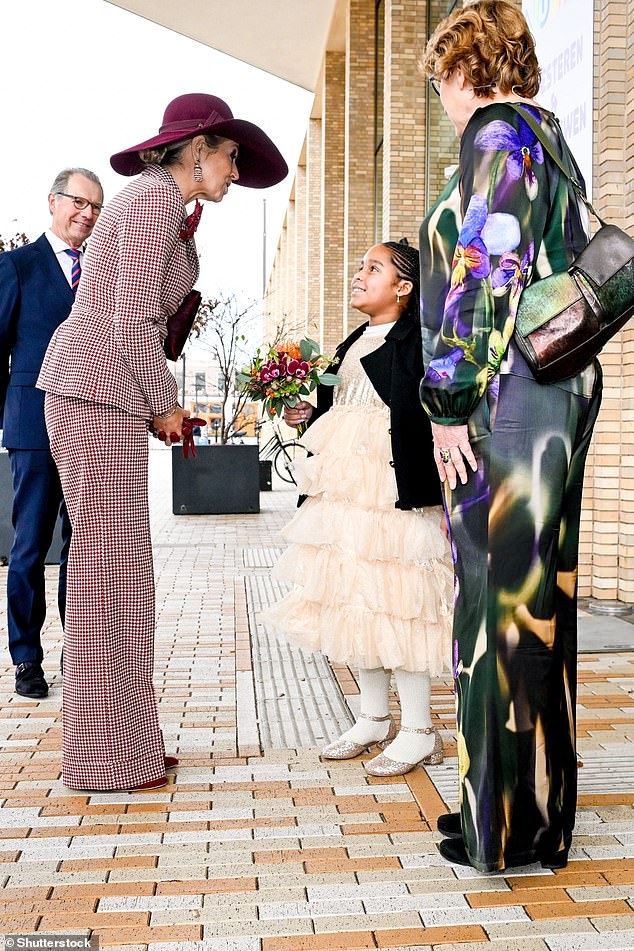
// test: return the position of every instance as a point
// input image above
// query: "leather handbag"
(565, 319)
(179, 325)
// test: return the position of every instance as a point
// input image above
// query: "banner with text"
(563, 31)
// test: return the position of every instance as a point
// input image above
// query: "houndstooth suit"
(105, 376)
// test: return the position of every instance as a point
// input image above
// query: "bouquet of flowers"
(284, 373)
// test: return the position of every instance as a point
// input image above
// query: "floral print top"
(507, 216)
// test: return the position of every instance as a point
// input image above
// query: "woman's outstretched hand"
(299, 414)
(172, 426)
(451, 449)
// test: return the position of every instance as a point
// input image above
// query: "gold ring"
(445, 455)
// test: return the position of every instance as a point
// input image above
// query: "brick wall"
(301, 242)
(291, 264)
(359, 150)
(313, 226)
(332, 177)
(607, 541)
(404, 120)
(442, 142)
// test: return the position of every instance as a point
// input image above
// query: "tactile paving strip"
(299, 701)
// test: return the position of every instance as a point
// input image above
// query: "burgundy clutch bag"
(180, 324)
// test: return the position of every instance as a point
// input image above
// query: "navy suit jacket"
(35, 298)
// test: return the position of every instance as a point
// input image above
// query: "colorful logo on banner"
(538, 11)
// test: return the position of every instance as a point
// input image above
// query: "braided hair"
(406, 261)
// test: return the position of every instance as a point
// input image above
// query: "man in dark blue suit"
(37, 288)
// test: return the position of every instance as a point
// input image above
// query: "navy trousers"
(37, 503)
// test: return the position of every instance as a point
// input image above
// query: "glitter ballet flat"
(347, 749)
(382, 765)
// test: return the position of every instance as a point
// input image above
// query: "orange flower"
(290, 349)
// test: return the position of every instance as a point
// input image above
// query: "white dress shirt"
(64, 260)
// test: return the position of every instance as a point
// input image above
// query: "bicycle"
(283, 452)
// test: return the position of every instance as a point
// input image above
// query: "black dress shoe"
(555, 859)
(449, 825)
(29, 681)
(454, 851)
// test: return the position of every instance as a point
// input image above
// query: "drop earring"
(398, 297)
(198, 172)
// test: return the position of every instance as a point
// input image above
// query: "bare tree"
(224, 327)
(229, 330)
(10, 244)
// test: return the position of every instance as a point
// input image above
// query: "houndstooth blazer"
(135, 273)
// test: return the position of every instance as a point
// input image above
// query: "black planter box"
(6, 528)
(223, 480)
(266, 475)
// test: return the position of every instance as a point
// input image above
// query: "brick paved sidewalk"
(269, 849)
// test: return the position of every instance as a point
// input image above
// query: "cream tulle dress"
(372, 585)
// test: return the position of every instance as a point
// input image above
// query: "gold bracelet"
(168, 414)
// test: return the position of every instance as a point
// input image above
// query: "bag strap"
(539, 134)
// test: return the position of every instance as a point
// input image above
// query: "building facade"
(375, 157)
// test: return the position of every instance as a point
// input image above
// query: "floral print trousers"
(515, 539)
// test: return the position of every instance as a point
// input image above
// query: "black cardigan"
(395, 370)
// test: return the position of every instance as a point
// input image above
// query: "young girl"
(368, 560)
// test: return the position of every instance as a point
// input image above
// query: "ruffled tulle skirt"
(372, 585)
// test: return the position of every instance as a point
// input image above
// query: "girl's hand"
(172, 425)
(299, 414)
(451, 449)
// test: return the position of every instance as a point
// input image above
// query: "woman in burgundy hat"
(107, 381)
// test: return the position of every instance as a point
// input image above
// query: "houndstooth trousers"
(111, 734)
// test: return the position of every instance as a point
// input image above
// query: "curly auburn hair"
(491, 43)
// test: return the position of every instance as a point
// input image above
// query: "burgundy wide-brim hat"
(260, 162)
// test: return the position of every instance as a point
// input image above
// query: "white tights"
(414, 691)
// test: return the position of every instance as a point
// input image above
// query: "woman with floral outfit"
(507, 217)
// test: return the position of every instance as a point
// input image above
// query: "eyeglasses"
(435, 84)
(81, 203)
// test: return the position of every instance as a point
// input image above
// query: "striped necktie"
(76, 271)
